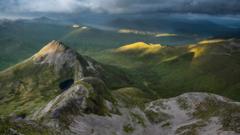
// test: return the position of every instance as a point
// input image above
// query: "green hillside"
(167, 70)
(209, 66)
(35, 81)
(59, 91)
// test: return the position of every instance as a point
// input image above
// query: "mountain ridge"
(42, 77)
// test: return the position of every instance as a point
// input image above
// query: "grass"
(28, 86)
(128, 128)
(138, 118)
(131, 97)
(175, 70)
(156, 117)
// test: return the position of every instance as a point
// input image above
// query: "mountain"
(45, 19)
(49, 72)
(17, 46)
(59, 91)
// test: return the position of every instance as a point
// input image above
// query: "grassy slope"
(176, 70)
(27, 86)
(28, 82)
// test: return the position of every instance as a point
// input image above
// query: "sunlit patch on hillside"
(211, 41)
(77, 26)
(137, 32)
(130, 31)
(170, 59)
(165, 35)
(52, 47)
(198, 51)
(141, 47)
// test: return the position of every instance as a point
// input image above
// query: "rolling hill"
(208, 66)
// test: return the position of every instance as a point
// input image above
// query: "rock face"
(90, 95)
(192, 113)
(60, 56)
(187, 114)
(75, 96)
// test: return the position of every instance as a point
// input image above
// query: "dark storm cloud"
(122, 6)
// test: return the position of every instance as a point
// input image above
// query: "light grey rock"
(174, 118)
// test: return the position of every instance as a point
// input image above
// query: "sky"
(211, 7)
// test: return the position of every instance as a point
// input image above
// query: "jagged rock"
(73, 100)
(190, 113)
(88, 96)
(61, 57)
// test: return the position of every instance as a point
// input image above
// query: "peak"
(57, 54)
(51, 48)
(55, 43)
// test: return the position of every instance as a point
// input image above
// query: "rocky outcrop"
(187, 114)
(62, 57)
(192, 113)
(88, 96)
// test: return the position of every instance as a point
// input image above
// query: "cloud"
(39, 5)
(122, 6)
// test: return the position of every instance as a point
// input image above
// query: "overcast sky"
(219, 7)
